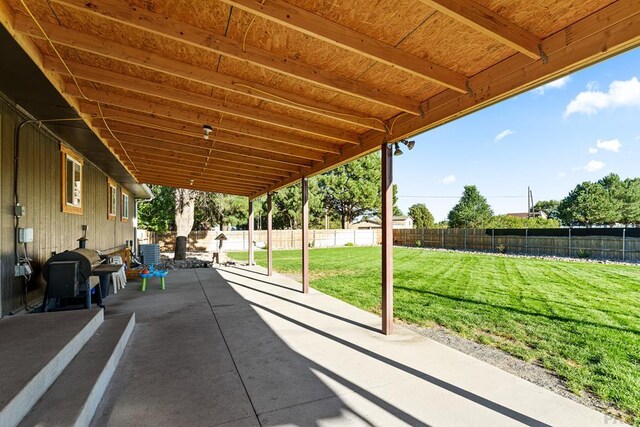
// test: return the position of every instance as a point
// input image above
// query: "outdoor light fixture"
(409, 144)
(207, 130)
(397, 151)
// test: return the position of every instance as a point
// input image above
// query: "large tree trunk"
(185, 207)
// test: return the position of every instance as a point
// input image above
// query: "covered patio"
(234, 346)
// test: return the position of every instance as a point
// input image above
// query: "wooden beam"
(168, 162)
(186, 147)
(211, 174)
(194, 99)
(197, 140)
(250, 224)
(331, 32)
(386, 158)
(305, 235)
(174, 113)
(203, 186)
(189, 182)
(191, 123)
(201, 179)
(137, 144)
(489, 23)
(167, 27)
(142, 58)
(269, 234)
(610, 31)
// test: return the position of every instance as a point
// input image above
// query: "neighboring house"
(399, 222)
(66, 178)
(525, 215)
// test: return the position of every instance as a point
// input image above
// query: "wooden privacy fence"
(619, 244)
(282, 239)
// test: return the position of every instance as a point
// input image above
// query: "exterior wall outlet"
(25, 235)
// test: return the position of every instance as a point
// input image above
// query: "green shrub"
(418, 244)
(349, 244)
(582, 254)
(501, 249)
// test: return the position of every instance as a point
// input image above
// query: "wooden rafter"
(183, 97)
(331, 32)
(192, 123)
(187, 145)
(163, 160)
(489, 23)
(142, 58)
(196, 140)
(132, 143)
(189, 34)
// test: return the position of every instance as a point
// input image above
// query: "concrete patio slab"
(231, 346)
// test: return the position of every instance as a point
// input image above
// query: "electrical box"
(25, 235)
(19, 210)
(23, 269)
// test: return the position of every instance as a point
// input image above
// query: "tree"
(157, 214)
(472, 211)
(614, 188)
(352, 189)
(630, 209)
(184, 211)
(587, 204)
(396, 210)
(421, 216)
(287, 206)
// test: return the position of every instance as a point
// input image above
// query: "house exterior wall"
(40, 192)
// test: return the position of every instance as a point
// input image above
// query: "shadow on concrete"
(308, 307)
(253, 275)
(277, 378)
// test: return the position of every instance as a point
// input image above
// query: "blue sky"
(577, 129)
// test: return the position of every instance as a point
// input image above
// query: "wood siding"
(39, 189)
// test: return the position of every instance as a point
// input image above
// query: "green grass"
(580, 320)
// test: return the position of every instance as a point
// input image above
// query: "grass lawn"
(580, 320)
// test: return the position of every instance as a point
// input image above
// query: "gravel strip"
(533, 373)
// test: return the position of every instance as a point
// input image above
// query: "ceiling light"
(207, 130)
(410, 144)
(397, 151)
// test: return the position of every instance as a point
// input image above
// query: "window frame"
(112, 200)
(68, 154)
(124, 207)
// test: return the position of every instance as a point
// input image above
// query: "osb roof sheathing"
(283, 95)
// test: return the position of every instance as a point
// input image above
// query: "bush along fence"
(616, 244)
(282, 239)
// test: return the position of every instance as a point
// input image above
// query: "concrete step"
(75, 395)
(35, 349)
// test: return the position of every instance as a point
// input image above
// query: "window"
(125, 207)
(71, 181)
(112, 199)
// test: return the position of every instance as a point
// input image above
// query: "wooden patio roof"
(294, 88)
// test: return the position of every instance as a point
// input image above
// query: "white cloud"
(502, 135)
(449, 179)
(556, 84)
(609, 145)
(593, 150)
(594, 165)
(562, 175)
(620, 94)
